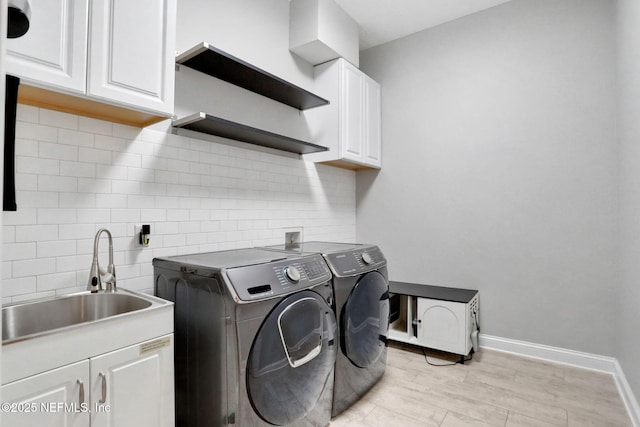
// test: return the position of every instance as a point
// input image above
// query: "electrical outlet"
(292, 237)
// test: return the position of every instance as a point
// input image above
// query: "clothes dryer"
(255, 337)
(361, 291)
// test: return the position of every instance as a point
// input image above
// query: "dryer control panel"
(276, 278)
(355, 262)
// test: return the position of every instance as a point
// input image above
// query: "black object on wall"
(9, 181)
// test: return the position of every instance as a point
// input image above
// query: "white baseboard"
(578, 359)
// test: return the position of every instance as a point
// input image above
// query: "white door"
(441, 325)
(372, 138)
(56, 398)
(53, 53)
(352, 114)
(132, 53)
(134, 386)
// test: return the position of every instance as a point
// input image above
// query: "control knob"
(366, 258)
(292, 273)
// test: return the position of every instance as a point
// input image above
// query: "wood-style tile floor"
(494, 389)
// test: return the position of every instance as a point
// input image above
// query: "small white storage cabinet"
(116, 51)
(435, 317)
(132, 386)
(350, 125)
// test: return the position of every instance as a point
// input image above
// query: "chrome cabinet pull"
(81, 393)
(104, 388)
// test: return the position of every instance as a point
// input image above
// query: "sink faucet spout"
(97, 274)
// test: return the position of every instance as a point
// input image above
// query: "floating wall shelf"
(212, 125)
(214, 62)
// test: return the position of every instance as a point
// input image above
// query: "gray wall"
(628, 347)
(500, 167)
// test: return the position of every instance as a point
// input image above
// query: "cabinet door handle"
(81, 392)
(104, 388)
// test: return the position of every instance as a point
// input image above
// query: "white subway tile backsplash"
(51, 282)
(127, 159)
(56, 248)
(76, 175)
(125, 187)
(76, 169)
(28, 113)
(104, 142)
(90, 125)
(35, 131)
(77, 200)
(26, 147)
(34, 267)
(18, 286)
(37, 166)
(125, 215)
(17, 251)
(124, 131)
(57, 183)
(93, 155)
(72, 137)
(94, 185)
(76, 231)
(57, 216)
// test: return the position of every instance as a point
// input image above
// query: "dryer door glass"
(365, 320)
(292, 358)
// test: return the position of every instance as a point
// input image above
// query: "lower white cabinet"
(131, 386)
(56, 398)
(135, 384)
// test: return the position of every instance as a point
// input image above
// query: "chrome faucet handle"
(110, 279)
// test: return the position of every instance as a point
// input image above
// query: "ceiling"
(381, 21)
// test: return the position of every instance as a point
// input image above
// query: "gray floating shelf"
(214, 62)
(212, 125)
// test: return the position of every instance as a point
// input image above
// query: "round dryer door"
(365, 320)
(292, 358)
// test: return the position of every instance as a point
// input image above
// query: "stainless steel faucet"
(97, 274)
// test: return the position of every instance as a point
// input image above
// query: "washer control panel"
(263, 281)
(357, 261)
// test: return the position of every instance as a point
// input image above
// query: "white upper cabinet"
(53, 53)
(372, 131)
(350, 125)
(131, 52)
(117, 52)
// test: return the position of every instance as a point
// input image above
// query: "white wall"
(628, 345)
(75, 175)
(500, 167)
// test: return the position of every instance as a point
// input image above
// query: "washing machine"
(361, 291)
(255, 337)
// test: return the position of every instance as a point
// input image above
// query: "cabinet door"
(352, 113)
(56, 398)
(132, 51)
(372, 145)
(133, 386)
(441, 325)
(53, 53)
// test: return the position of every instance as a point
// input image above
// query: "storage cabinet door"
(53, 53)
(441, 325)
(56, 398)
(134, 386)
(352, 128)
(372, 138)
(131, 53)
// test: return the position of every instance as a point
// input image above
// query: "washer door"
(365, 320)
(291, 358)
